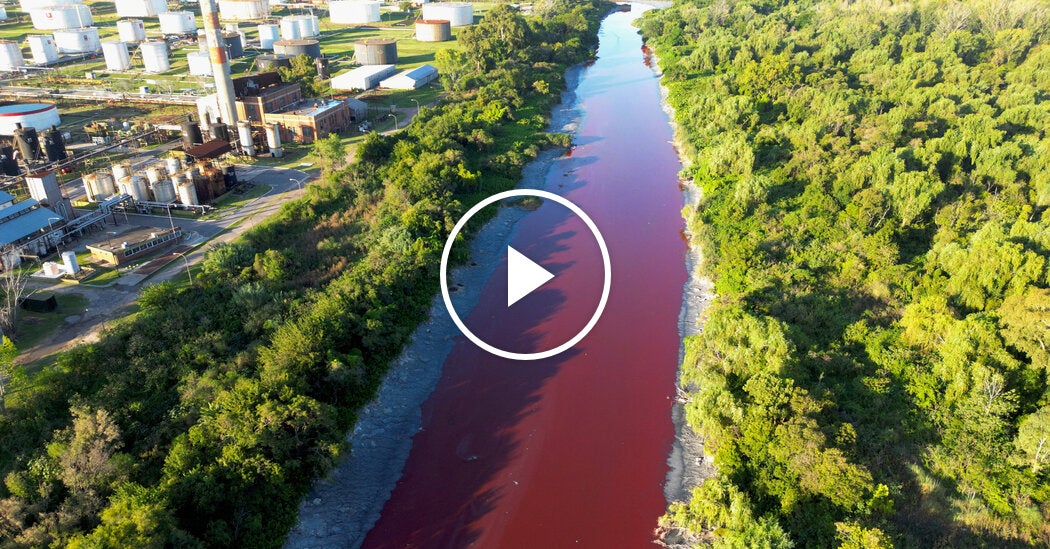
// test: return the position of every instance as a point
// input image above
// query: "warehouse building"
(133, 244)
(362, 78)
(27, 227)
(310, 119)
(411, 79)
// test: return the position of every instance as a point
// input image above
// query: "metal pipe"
(220, 65)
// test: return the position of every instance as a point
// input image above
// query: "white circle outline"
(605, 263)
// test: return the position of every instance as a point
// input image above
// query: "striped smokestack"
(220, 65)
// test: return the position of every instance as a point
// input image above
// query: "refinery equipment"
(178, 22)
(54, 145)
(116, 54)
(295, 48)
(44, 49)
(43, 187)
(234, 47)
(131, 30)
(28, 142)
(83, 40)
(38, 116)
(10, 55)
(375, 51)
(433, 30)
(200, 63)
(244, 10)
(244, 137)
(353, 12)
(268, 34)
(155, 56)
(273, 139)
(191, 134)
(141, 8)
(458, 14)
(61, 17)
(220, 62)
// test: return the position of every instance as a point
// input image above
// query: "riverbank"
(341, 509)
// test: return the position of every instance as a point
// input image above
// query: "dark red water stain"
(569, 450)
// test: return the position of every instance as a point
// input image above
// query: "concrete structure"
(131, 30)
(10, 55)
(362, 78)
(375, 51)
(61, 17)
(458, 14)
(43, 187)
(268, 34)
(83, 40)
(39, 116)
(200, 63)
(141, 8)
(433, 30)
(155, 56)
(411, 79)
(116, 54)
(310, 119)
(273, 140)
(27, 226)
(44, 49)
(220, 64)
(134, 244)
(353, 12)
(296, 48)
(244, 10)
(178, 22)
(255, 94)
(358, 109)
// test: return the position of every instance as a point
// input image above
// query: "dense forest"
(201, 420)
(875, 179)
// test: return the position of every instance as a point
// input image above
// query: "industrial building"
(362, 78)
(27, 226)
(254, 95)
(133, 244)
(411, 79)
(310, 119)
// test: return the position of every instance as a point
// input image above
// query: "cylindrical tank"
(135, 186)
(244, 135)
(191, 134)
(8, 164)
(244, 10)
(10, 55)
(220, 131)
(83, 40)
(54, 145)
(200, 63)
(131, 30)
(234, 48)
(353, 12)
(308, 27)
(296, 48)
(187, 193)
(3, 13)
(376, 51)
(141, 8)
(268, 34)
(69, 260)
(121, 170)
(290, 28)
(321, 64)
(155, 174)
(433, 30)
(39, 116)
(163, 191)
(44, 49)
(27, 5)
(172, 165)
(61, 17)
(270, 62)
(273, 139)
(116, 54)
(91, 187)
(28, 142)
(178, 22)
(155, 56)
(458, 14)
(105, 185)
(202, 40)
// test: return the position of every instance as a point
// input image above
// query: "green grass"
(234, 201)
(103, 275)
(32, 328)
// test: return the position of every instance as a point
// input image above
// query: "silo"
(234, 48)
(290, 28)
(187, 193)
(172, 165)
(273, 139)
(353, 12)
(121, 170)
(106, 186)
(163, 191)
(376, 51)
(83, 40)
(244, 136)
(244, 10)
(131, 30)
(271, 62)
(433, 30)
(140, 8)
(200, 63)
(116, 54)
(307, 24)
(268, 34)
(10, 55)
(296, 48)
(135, 186)
(202, 41)
(91, 187)
(155, 174)
(458, 14)
(61, 17)
(44, 49)
(155, 56)
(178, 22)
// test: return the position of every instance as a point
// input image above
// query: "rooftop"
(32, 221)
(132, 237)
(309, 107)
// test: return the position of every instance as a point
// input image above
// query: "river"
(570, 450)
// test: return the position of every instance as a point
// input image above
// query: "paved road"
(25, 92)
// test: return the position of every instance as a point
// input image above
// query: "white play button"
(523, 276)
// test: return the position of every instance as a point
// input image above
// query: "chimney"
(220, 65)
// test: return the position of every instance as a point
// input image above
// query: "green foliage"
(303, 72)
(875, 183)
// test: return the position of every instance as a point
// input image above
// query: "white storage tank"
(353, 12)
(155, 174)
(131, 30)
(244, 10)
(163, 191)
(268, 34)
(27, 5)
(121, 170)
(105, 187)
(61, 17)
(116, 54)
(69, 261)
(172, 165)
(244, 135)
(200, 63)
(178, 22)
(155, 56)
(39, 116)
(313, 26)
(3, 13)
(135, 186)
(458, 14)
(44, 49)
(141, 8)
(273, 139)
(187, 193)
(83, 40)
(10, 55)
(290, 28)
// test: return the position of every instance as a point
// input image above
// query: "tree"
(303, 72)
(1033, 437)
(330, 151)
(13, 282)
(8, 352)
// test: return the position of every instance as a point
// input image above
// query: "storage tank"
(131, 30)
(54, 145)
(116, 54)
(61, 17)
(27, 5)
(172, 165)
(268, 34)
(187, 193)
(307, 24)
(273, 139)
(44, 49)
(458, 14)
(91, 187)
(290, 28)
(271, 62)
(141, 8)
(155, 174)
(200, 63)
(3, 13)
(155, 56)
(10, 55)
(135, 186)
(433, 30)
(202, 40)
(163, 191)
(376, 51)
(234, 48)
(244, 136)
(296, 48)
(121, 170)
(178, 22)
(39, 116)
(353, 12)
(69, 261)
(105, 185)
(244, 10)
(191, 134)
(83, 40)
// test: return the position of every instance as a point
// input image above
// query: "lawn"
(32, 328)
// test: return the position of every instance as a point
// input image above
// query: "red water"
(572, 450)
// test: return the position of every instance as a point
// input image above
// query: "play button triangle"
(523, 276)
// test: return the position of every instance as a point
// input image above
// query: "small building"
(310, 119)
(254, 95)
(411, 79)
(362, 78)
(26, 227)
(358, 109)
(134, 244)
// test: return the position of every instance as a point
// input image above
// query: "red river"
(571, 450)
